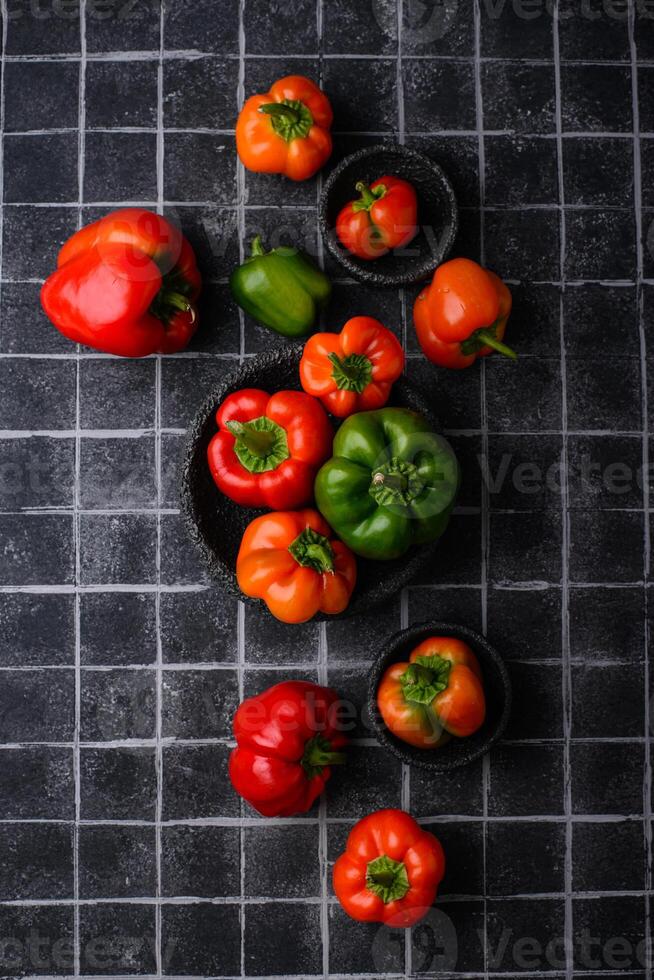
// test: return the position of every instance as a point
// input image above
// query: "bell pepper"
(390, 870)
(291, 560)
(268, 449)
(461, 315)
(354, 370)
(390, 484)
(287, 739)
(282, 289)
(286, 131)
(385, 216)
(127, 285)
(437, 694)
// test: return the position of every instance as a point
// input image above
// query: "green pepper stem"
(351, 373)
(490, 340)
(280, 109)
(368, 196)
(392, 481)
(313, 550)
(257, 247)
(258, 442)
(388, 879)
(179, 302)
(318, 753)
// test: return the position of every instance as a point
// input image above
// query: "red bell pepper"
(439, 692)
(461, 315)
(287, 739)
(384, 217)
(269, 448)
(127, 285)
(390, 871)
(352, 371)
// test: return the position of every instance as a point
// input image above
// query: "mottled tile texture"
(124, 850)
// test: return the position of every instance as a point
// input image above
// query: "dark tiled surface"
(122, 668)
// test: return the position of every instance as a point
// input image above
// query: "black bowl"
(216, 523)
(497, 686)
(437, 214)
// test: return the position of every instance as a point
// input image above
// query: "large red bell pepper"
(461, 315)
(390, 871)
(126, 285)
(268, 449)
(287, 738)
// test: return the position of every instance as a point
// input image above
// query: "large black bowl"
(216, 523)
(497, 687)
(437, 214)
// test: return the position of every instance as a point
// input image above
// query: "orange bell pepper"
(438, 693)
(286, 131)
(461, 315)
(390, 870)
(291, 561)
(352, 371)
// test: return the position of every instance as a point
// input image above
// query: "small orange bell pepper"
(438, 693)
(291, 560)
(390, 870)
(286, 131)
(352, 371)
(461, 315)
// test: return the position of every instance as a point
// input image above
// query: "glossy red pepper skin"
(384, 217)
(390, 870)
(125, 285)
(287, 738)
(462, 314)
(307, 433)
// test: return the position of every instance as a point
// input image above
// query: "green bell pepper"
(282, 289)
(390, 484)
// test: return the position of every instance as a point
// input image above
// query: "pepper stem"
(291, 118)
(280, 109)
(260, 445)
(178, 302)
(313, 550)
(489, 339)
(351, 373)
(368, 196)
(425, 678)
(318, 753)
(396, 483)
(257, 247)
(388, 879)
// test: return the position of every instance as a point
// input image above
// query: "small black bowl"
(438, 217)
(216, 523)
(497, 687)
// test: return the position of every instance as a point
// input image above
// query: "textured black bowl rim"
(434, 760)
(424, 264)
(219, 571)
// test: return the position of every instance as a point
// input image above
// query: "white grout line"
(647, 776)
(81, 149)
(485, 502)
(160, 155)
(565, 527)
